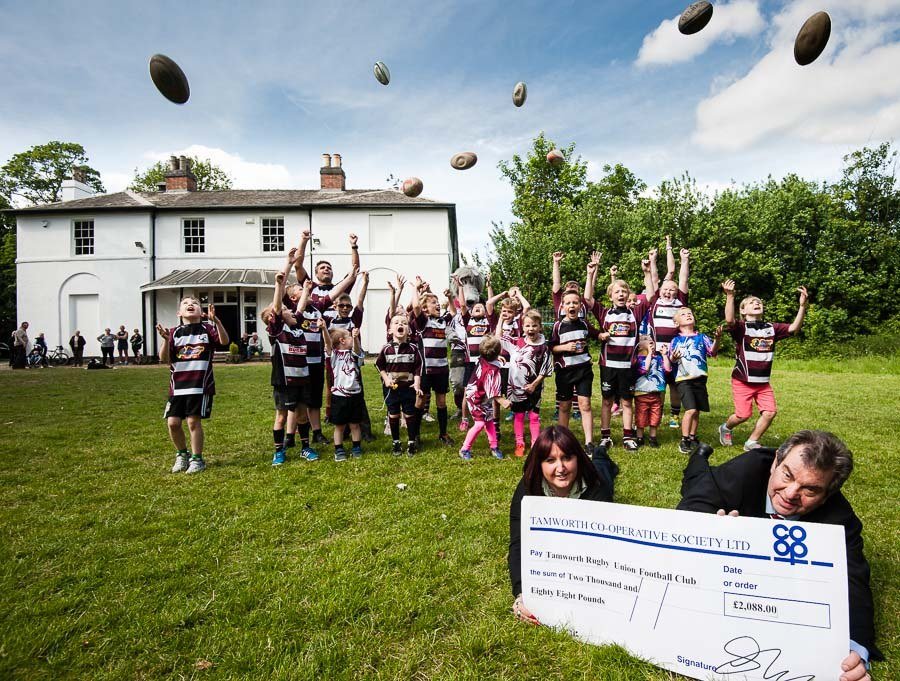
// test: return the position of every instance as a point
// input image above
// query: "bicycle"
(58, 357)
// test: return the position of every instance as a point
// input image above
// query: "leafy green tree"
(209, 176)
(36, 175)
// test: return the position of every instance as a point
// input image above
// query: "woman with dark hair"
(557, 466)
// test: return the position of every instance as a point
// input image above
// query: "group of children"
(648, 344)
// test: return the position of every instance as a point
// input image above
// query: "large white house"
(95, 261)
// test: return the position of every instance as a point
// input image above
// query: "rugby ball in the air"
(382, 74)
(169, 79)
(412, 186)
(520, 93)
(812, 38)
(464, 160)
(555, 157)
(695, 18)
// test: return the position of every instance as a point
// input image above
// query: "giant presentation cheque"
(705, 596)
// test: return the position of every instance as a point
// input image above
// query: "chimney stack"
(76, 187)
(180, 177)
(331, 174)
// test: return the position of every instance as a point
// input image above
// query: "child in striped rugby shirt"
(188, 349)
(400, 366)
(754, 347)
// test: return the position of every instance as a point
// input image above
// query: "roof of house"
(252, 278)
(233, 199)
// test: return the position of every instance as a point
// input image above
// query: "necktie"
(776, 516)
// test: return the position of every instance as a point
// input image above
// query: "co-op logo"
(789, 544)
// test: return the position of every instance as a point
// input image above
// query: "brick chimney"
(331, 174)
(179, 176)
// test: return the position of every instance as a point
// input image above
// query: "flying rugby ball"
(555, 157)
(382, 74)
(520, 93)
(412, 186)
(695, 18)
(169, 79)
(812, 38)
(464, 160)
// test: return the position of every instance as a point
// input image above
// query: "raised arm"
(590, 282)
(344, 284)
(326, 337)
(717, 336)
(460, 297)
(670, 259)
(220, 329)
(450, 302)
(354, 252)
(685, 270)
(300, 255)
(651, 278)
(357, 344)
(801, 312)
(416, 302)
(361, 298)
(557, 279)
(518, 294)
(728, 287)
(305, 293)
(164, 348)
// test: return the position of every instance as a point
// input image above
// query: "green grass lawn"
(111, 567)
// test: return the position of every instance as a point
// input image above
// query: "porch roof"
(216, 278)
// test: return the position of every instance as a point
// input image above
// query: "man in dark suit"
(799, 481)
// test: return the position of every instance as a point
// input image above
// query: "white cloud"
(246, 174)
(666, 45)
(850, 95)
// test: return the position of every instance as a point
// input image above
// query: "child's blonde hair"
(510, 304)
(267, 313)
(745, 302)
(617, 282)
(678, 315)
(489, 348)
(534, 316)
(337, 334)
(644, 344)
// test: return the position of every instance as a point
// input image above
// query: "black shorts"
(615, 382)
(470, 369)
(693, 394)
(347, 409)
(397, 399)
(670, 378)
(122, 345)
(182, 406)
(578, 380)
(530, 403)
(436, 382)
(504, 379)
(289, 397)
(315, 386)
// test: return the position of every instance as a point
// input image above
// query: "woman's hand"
(522, 613)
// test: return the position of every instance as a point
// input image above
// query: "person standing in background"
(77, 343)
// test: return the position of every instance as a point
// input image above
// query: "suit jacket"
(741, 483)
(598, 491)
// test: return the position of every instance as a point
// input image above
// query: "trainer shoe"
(497, 453)
(606, 443)
(751, 444)
(318, 438)
(509, 416)
(445, 439)
(181, 463)
(397, 449)
(576, 415)
(686, 445)
(640, 440)
(520, 449)
(653, 442)
(427, 417)
(309, 454)
(463, 425)
(340, 454)
(411, 448)
(196, 465)
(465, 454)
(279, 457)
(629, 444)
(673, 422)
(356, 452)
(725, 436)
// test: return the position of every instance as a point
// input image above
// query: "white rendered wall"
(417, 243)
(48, 274)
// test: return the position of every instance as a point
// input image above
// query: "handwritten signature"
(746, 656)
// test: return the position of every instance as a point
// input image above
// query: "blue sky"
(276, 84)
